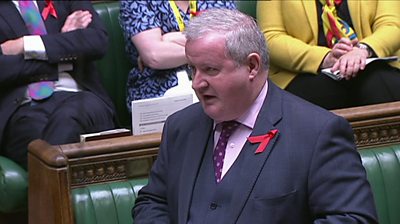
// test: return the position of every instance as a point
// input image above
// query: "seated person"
(155, 44)
(44, 92)
(286, 160)
(307, 36)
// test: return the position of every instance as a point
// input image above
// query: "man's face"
(223, 87)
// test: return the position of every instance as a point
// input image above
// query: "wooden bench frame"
(56, 170)
(374, 125)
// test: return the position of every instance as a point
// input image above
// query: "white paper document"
(119, 132)
(336, 76)
(184, 86)
(149, 115)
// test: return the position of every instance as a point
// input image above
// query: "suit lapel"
(270, 114)
(355, 6)
(311, 11)
(53, 25)
(198, 138)
(12, 17)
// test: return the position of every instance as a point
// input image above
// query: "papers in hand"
(337, 76)
(149, 115)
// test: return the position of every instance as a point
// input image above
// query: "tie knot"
(228, 127)
(32, 18)
(30, 5)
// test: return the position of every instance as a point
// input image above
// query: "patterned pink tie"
(228, 127)
(34, 23)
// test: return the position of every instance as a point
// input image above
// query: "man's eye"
(211, 71)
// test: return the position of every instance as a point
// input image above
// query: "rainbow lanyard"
(334, 27)
(179, 19)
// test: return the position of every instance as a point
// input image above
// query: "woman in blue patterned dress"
(155, 43)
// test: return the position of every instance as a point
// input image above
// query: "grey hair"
(242, 35)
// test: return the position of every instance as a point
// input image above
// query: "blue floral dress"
(137, 16)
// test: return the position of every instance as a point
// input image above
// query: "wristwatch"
(366, 47)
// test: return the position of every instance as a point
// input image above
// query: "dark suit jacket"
(310, 172)
(79, 47)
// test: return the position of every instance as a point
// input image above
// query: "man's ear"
(254, 65)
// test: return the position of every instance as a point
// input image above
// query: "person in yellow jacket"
(307, 36)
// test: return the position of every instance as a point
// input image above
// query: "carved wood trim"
(367, 137)
(111, 170)
(374, 125)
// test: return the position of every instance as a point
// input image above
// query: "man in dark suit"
(288, 161)
(74, 37)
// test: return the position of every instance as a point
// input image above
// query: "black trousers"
(59, 119)
(378, 83)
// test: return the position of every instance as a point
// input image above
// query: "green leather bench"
(115, 65)
(247, 6)
(106, 203)
(13, 186)
(383, 170)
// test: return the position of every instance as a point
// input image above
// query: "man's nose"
(198, 81)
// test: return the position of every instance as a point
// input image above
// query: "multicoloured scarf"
(334, 27)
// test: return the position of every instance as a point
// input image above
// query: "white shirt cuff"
(34, 48)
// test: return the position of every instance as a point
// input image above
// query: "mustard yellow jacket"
(291, 30)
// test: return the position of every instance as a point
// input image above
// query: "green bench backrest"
(115, 65)
(248, 7)
(383, 170)
(13, 187)
(106, 203)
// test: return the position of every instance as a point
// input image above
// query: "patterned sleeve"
(137, 16)
(229, 4)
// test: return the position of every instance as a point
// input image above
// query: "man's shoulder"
(312, 120)
(303, 108)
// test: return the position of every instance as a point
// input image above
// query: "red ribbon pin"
(49, 9)
(263, 140)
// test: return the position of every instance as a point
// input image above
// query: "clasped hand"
(347, 58)
(77, 20)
